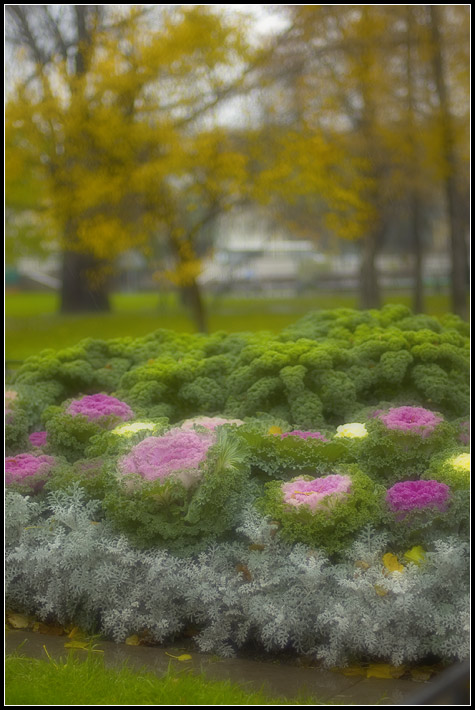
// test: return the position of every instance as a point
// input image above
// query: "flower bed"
(307, 491)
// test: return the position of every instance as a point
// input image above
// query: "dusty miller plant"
(63, 564)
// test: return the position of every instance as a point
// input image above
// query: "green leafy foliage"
(219, 546)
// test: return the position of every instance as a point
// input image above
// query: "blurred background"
(208, 167)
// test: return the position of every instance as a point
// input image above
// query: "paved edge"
(277, 680)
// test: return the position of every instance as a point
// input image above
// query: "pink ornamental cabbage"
(209, 422)
(18, 469)
(38, 438)
(304, 435)
(417, 419)
(415, 495)
(317, 493)
(96, 406)
(178, 453)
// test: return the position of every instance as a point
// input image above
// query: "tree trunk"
(192, 298)
(418, 293)
(370, 295)
(457, 238)
(414, 168)
(78, 292)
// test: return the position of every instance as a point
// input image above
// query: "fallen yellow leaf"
(132, 640)
(18, 621)
(422, 673)
(380, 591)
(274, 430)
(384, 670)
(183, 657)
(83, 645)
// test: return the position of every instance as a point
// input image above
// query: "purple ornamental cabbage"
(19, 469)
(417, 419)
(416, 495)
(178, 454)
(96, 406)
(317, 493)
(38, 438)
(304, 435)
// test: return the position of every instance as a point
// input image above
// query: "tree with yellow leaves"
(388, 88)
(113, 117)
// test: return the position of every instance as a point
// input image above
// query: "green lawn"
(32, 322)
(88, 682)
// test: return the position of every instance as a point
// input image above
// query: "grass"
(88, 682)
(32, 322)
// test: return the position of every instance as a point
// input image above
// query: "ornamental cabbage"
(96, 406)
(324, 512)
(318, 494)
(178, 452)
(38, 438)
(28, 469)
(351, 431)
(414, 419)
(415, 495)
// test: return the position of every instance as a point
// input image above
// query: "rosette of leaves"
(274, 452)
(389, 454)
(71, 426)
(187, 507)
(338, 517)
(419, 511)
(27, 473)
(452, 466)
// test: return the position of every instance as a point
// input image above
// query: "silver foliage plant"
(64, 565)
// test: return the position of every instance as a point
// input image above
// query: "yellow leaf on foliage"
(384, 670)
(362, 564)
(416, 554)
(380, 591)
(18, 621)
(132, 640)
(274, 430)
(391, 563)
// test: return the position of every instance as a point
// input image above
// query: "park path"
(278, 678)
